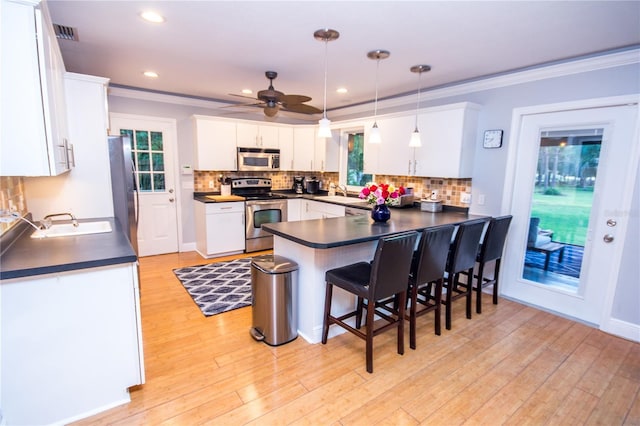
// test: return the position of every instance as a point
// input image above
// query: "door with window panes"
(152, 142)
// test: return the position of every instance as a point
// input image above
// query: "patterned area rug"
(218, 287)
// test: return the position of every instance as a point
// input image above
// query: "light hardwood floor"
(510, 365)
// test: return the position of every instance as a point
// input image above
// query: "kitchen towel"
(218, 287)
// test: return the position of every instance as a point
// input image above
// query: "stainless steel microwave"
(258, 159)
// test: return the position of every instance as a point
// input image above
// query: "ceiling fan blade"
(294, 99)
(243, 96)
(301, 108)
(242, 105)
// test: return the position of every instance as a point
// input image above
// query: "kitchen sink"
(68, 230)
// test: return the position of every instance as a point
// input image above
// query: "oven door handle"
(265, 202)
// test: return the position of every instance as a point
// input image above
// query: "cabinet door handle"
(73, 155)
(409, 168)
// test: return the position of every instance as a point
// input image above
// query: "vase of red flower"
(381, 195)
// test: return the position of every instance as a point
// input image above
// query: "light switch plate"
(465, 197)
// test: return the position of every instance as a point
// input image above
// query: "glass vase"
(380, 213)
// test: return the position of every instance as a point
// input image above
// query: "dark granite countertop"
(26, 256)
(341, 231)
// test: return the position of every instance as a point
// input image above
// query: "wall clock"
(492, 139)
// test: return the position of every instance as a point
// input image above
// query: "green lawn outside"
(567, 215)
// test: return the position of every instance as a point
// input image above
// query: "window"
(147, 152)
(355, 176)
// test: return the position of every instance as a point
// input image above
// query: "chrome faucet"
(46, 223)
(343, 189)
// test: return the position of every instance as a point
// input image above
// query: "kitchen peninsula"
(323, 244)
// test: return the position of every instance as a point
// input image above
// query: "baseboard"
(623, 329)
(188, 247)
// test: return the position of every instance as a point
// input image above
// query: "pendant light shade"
(415, 141)
(374, 134)
(326, 35)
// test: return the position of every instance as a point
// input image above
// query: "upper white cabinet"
(256, 136)
(448, 136)
(314, 154)
(215, 143)
(34, 122)
(304, 138)
(285, 136)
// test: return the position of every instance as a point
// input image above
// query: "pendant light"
(326, 35)
(415, 141)
(374, 134)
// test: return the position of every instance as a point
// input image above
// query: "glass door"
(569, 203)
(561, 203)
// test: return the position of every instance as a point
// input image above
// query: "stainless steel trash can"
(273, 289)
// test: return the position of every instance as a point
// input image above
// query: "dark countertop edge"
(20, 240)
(367, 238)
(66, 267)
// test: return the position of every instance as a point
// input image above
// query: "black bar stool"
(427, 268)
(491, 249)
(384, 277)
(462, 258)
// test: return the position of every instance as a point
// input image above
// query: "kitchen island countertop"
(341, 231)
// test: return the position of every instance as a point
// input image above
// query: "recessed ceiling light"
(247, 91)
(152, 17)
(342, 90)
(151, 74)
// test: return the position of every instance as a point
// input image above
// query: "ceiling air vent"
(65, 33)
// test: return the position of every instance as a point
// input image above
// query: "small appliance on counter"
(298, 185)
(428, 205)
(313, 185)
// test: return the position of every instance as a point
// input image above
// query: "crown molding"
(407, 101)
(610, 60)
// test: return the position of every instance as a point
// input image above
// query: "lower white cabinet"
(219, 228)
(319, 210)
(294, 209)
(71, 344)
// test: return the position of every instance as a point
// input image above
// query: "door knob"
(608, 238)
(611, 223)
(171, 191)
(171, 200)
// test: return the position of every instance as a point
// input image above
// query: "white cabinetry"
(219, 228)
(319, 210)
(256, 136)
(313, 154)
(285, 139)
(88, 122)
(294, 209)
(34, 139)
(449, 137)
(215, 143)
(303, 147)
(71, 343)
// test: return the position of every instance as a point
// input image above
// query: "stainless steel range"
(262, 206)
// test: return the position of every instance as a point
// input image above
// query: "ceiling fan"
(273, 100)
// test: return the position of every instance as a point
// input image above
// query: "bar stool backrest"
(391, 263)
(432, 254)
(495, 237)
(465, 246)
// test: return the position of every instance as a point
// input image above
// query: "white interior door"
(612, 173)
(153, 141)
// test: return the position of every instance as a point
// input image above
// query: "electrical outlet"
(465, 197)
(210, 184)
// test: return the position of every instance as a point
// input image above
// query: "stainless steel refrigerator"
(125, 194)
